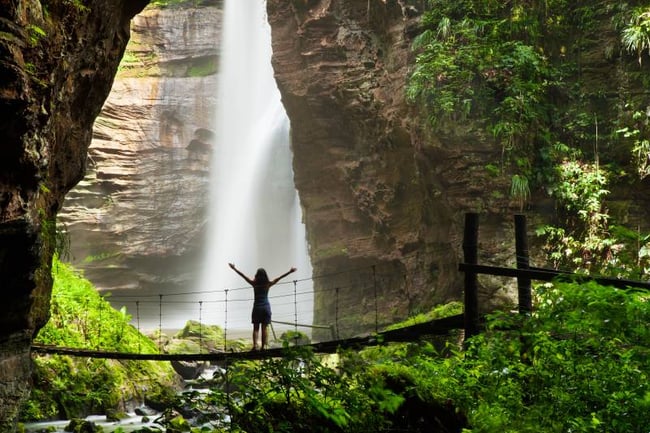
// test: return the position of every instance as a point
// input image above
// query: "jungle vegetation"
(578, 363)
(559, 87)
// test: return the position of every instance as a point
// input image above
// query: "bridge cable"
(336, 313)
(137, 315)
(295, 310)
(321, 276)
(374, 282)
(200, 327)
(225, 324)
(160, 297)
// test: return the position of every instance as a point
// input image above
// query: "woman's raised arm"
(283, 275)
(248, 280)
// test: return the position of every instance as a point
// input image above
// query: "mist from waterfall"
(255, 215)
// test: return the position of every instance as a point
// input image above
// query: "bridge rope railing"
(290, 310)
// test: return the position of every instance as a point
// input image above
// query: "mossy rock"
(83, 426)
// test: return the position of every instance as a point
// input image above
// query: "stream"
(130, 424)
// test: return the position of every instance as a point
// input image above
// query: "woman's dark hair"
(261, 278)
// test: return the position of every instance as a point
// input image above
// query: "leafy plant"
(519, 189)
(577, 364)
(514, 70)
(77, 4)
(585, 243)
(641, 144)
(636, 35)
(296, 393)
(173, 3)
(440, 311)
(36, 33)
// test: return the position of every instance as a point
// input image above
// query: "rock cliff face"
(57, 63)
(379, 196)
(136, 220)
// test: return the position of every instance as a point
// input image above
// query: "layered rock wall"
(381, 200)
(57, 63)
(136, 220)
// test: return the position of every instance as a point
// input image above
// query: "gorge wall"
(381, 198)
(57, 63)
(136, 221)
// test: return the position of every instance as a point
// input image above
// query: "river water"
(130, 424)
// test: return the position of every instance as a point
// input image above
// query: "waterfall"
(255, 215)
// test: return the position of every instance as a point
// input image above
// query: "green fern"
(519, 189)
(636, 37)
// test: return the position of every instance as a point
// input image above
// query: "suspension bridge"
(338, 335)
(376, 291)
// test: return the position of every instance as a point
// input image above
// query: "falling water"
(255, 214)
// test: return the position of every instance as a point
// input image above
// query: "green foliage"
(173, 3)
(54, 234)
(74, 387)
(581, 189)
(294, 338)
(101, 256)
(202, 67)
(480, 60)
(492, 63)
(77, 4)
(196, 337)
(587, 356)
(210, 334)
(35, 33)
(577, 363)
(296, 393)
(589, 242)
(638, 134)
(81, 318)
(440, 311)
(514, 69)
(635, 257)
(636, 35)
(519, 189)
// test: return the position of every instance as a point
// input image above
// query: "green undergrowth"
(439, 312)
(68, 387)
(578, 363)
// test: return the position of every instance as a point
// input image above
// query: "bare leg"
(265, 336)
(256, 331)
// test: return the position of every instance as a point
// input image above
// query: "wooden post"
(521, 250)
(470, 251)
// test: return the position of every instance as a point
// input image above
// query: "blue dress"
(261, 306)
